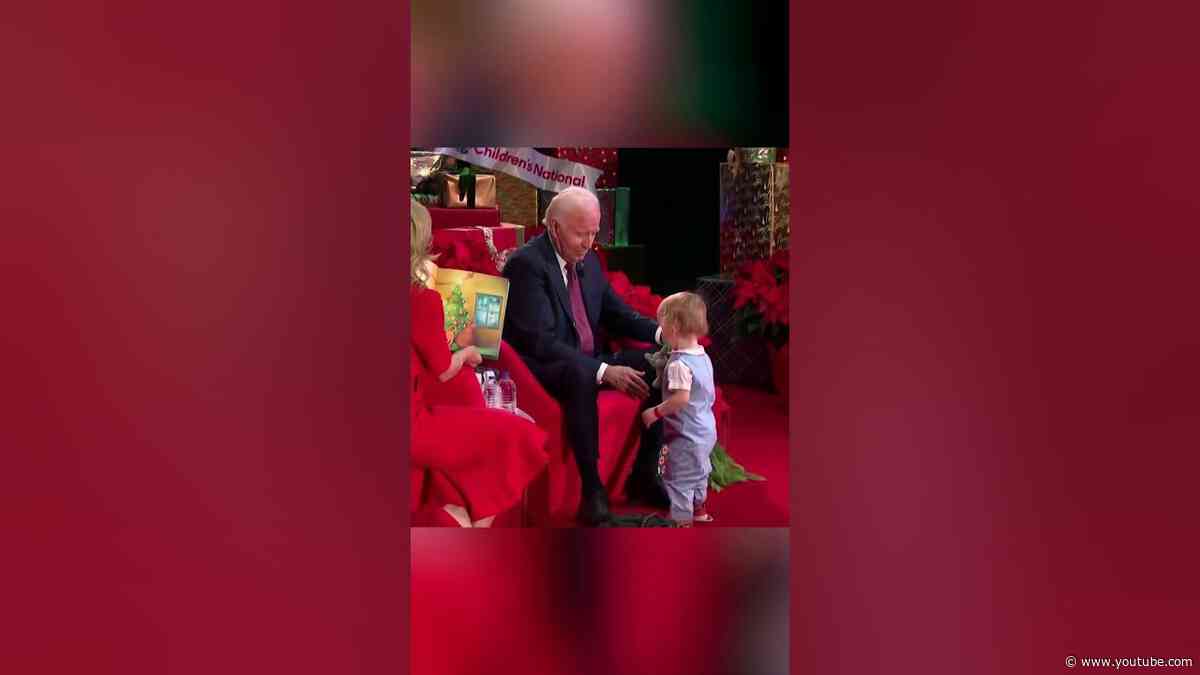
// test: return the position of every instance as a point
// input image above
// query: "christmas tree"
(456, 313)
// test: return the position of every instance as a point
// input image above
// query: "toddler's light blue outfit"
(691, 433)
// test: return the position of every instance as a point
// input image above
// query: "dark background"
(674, 211)
(738, 60)
(675, 202)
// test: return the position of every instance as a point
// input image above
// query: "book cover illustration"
(474, 305)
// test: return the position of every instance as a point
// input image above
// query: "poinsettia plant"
(760, 289)
(641, 300)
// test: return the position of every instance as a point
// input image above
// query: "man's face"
(577, 227)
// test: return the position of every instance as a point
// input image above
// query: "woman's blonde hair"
(420, 242)
(685, 312)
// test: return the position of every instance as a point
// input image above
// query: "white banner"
(541, 171)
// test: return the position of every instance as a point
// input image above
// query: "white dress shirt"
(562, 266)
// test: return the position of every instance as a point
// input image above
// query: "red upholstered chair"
(554, 497)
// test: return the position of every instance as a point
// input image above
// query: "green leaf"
(726, 472)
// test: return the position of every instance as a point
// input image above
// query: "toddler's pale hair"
(685, 312)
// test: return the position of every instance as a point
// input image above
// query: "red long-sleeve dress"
(487, 456)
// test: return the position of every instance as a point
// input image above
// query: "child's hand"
(648, 417)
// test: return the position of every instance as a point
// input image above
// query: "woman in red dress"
(475, 460)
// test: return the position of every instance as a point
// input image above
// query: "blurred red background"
(996, 414)
(600, 601)
(202, 417)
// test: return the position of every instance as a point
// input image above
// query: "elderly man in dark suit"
(559, 299)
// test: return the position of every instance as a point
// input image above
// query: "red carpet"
(758, 441)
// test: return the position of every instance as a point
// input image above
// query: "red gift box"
(459, 218)
(466, 248)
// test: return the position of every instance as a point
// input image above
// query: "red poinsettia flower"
(780, 259)
(745, 291)
(620, 284)
(762, 274)
(652, 305)
(643, 301)
(775, 307)
(761, 297)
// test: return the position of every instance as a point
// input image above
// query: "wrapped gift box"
(455, 198)
(735, 360)
(757, 155)
(483, 249)
(518, 201)
(456, 218)
(423, 170)
(544, 197)
(503, 236)
(614, 215)
(755, 212)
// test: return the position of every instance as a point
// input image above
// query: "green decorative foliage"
(725, 471)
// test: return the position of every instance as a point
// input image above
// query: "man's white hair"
(572, 197)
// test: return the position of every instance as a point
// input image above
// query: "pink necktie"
(582, 327)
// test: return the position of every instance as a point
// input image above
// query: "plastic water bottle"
(491, 390)
(508, 392)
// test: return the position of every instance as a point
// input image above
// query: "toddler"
(689, 428)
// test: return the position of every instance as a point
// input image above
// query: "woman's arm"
(469, 355)
(428, 331)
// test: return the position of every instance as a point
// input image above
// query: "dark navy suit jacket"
(538, 320)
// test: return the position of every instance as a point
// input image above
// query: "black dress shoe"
(648, 491)
(593, 509)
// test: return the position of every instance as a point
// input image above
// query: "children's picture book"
(474, 305)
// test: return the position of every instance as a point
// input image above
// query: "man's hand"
(627, 380)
